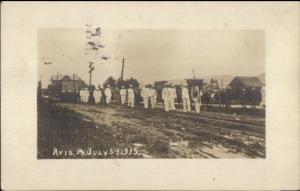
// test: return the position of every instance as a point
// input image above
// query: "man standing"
(196, 97)
(123, 95)
(130, 96)
(185, 99)
(153, 96)
(97, 95)
(86, 95)
(108, 94)
(145, 95)
(81, 95)
(166, 98)
(173, 96)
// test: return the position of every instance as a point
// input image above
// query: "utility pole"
(91, 66)
(194, 73)
(122, 71)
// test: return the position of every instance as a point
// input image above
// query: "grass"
(62, 131)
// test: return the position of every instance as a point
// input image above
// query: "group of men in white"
(169, 95)
(97, 94)
(149, 95)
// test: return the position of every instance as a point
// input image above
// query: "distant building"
(262, 78)
(66, 83)
(248, 83)
(221, 81)
(240, 82)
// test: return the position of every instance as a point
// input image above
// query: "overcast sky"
(152, 55)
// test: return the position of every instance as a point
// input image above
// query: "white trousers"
(153, 102)
(172, 104)
(146, 102)
(107, 99)
(186, 104)
(197, 107)
(131, 101)
(167, 104)
(123, 97)
(97, 99)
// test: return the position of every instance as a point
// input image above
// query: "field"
(67, 130)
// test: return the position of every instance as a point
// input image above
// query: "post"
(90, 99)
(194, 73)
(122, 71)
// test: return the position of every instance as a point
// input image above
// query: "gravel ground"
(140, 133)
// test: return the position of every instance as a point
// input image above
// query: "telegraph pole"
(194, 73)
(91, 66)
(122, 71)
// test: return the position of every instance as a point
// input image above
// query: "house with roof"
(66, 83)
(252, 85)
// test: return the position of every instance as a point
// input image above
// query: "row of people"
(97, 94)
(149, 95)
(169, 95)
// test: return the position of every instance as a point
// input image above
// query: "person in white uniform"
(196, 97)
(173, 96)
(185, 99)
(166, 98)
(130, 96)
(81, 95)
(108, 94)
(97, 95)
(123, 95)
(145, 95)
(86, 95)
(153, 96)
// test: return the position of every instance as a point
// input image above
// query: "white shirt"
(107, 92)
(172, 93)
(152, 92)
(145, 92)
(185, 93)
(81, 92)
(165, 94)
(97, 93)
(130, 92)
(122, 92)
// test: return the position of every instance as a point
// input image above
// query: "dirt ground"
(157, 134)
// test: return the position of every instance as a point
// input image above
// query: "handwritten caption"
(95, 152)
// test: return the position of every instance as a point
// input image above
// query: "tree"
(120, 82)
(134, 82)
(111, 81)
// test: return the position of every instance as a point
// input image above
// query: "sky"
(152, 54)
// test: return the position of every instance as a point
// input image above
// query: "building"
(252, 86)
(62, 84)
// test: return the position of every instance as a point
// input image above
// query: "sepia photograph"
(150, 93)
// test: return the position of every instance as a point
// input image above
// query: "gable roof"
(65, 77)
(262, 78)
(222, 79)
(247, 81)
